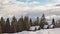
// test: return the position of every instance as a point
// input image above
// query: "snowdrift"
(42, 31)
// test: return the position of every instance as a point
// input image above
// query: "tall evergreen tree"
(37, 21)
(31, 22)
(14, 24)
(26, 23)
(53, 22)
(20, 24)
(3, 24)
(7, 25)
(0, 28)
(43, 21)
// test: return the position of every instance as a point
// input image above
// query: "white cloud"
(58, 1)
(10, 8)
(56, 17)
(51, 16)
(13, 7)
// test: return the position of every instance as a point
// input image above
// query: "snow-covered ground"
(42, 31)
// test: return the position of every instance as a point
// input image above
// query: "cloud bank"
(33, 8)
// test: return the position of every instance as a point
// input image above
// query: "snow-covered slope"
(50, 31)
(42, 31)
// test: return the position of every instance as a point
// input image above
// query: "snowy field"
(42, 31)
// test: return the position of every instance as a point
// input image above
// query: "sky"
(32, 8)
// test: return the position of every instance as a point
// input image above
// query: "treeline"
(20, 25)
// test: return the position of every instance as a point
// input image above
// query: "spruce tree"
(37, 21)
(31, 22)
(53, 22)
(3, 24)
(43, 21)
(14, 24)
(0, 28)
(7, 25)
(20, 24)
(26, 23)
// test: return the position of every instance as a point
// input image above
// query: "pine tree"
(3, 24)
(37, 21)
(43, 21)
(7, 25)
(53, 22)
(20, 24)
(14, 24)
(31, 22)
(0, 28)
(26, 23)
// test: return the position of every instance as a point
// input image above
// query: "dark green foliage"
(3, 24)
(37, 21)
(43, 21)
(26, 23)
(20, 24)
(0, 27)
(7, 25)
(31, 22)
(14, 24)
(53, 21)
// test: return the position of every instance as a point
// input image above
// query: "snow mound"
(33, 27)
(42, 31)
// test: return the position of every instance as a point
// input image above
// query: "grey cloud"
(17, 9)
(57, 4)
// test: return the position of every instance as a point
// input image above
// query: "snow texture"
(42, 31)
(33, 27)
(45, 26)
